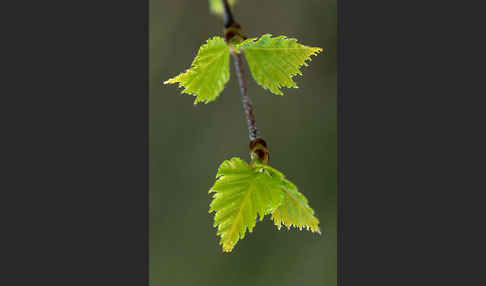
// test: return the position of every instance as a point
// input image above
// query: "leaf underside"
(209, 72)
(216, 6)
(274, 61)
(242, 192)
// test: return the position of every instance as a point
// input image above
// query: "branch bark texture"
(228, 16)
(245, 99)
(229, 21)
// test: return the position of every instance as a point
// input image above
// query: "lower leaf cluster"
(242, 193)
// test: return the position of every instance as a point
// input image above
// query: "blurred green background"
(187, 144)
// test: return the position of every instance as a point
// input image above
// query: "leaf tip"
(227, 247)
(171, 80)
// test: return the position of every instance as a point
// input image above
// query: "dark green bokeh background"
(187, 144)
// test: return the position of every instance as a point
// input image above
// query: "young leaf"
(216, 6)
(274, 61)
(294, 209)
(209, 71)
(242, 192)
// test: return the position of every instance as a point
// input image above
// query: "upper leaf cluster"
(272, 61)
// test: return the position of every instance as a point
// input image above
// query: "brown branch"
(245, 99)
(258, 146)
(228, 16)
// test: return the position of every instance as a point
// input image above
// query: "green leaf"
(242, 193)
(295, 210)
(274, 61)
(209, 71)
(216, 6)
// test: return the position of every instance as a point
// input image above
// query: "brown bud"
(234, 33)
(259, 148)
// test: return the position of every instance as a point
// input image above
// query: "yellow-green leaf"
(216, 6)
(240, 194)
(274, 61)
(209, 72)
(295, 210)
